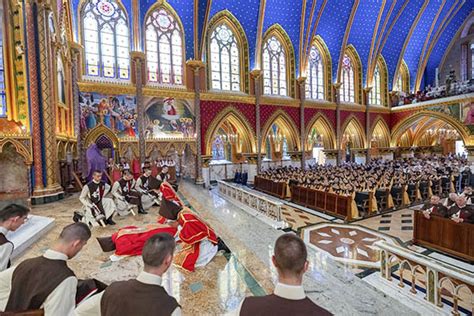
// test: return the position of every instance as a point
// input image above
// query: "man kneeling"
(45, 282)
(143, 295)
(289, 298)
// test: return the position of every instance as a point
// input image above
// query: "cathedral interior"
(231, 95)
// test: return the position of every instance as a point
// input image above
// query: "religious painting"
(468, 115)
(452, 110)
(168, 118)
(117, 112)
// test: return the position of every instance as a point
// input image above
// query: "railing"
(254, 201)
(441, 281)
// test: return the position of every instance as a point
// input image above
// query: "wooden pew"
(330, 203)
(445, 235)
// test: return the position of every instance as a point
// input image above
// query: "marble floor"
(218, 288)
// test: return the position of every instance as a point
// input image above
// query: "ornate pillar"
(196, 65)
(367, 123)
(256, 79)
(138, 59)
(302, 86)
(81, 151)
(337, 99)
(33, 87)
(470, 153)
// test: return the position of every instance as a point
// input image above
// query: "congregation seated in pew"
(397, 183)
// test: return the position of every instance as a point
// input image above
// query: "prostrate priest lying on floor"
(197, 242)
(47, 283)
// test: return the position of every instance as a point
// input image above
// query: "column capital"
(301, 80)
(367, 89)
(337, 85)
(195, 64)
(76, 48)
(256, 73)
(134, 55)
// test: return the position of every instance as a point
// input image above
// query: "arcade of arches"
(334, 120)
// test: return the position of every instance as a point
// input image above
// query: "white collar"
(290, 292)
(149, 278)
(55, 255)
(3, 230)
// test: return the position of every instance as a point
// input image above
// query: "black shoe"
(222, 246)
(110, 221)
(77, 217)
(142, 211)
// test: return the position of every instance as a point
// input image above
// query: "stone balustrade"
(441, 283)
(268, 207)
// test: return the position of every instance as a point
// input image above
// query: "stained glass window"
(399, 83)
(164, 48)
(106, 40)
(347, 89)
(61, 83)
(376, 92)
(3, 97)
(225, 61)
(315, 79)
(274, 68)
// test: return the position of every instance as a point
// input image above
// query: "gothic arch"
(319, 43)
(279, 32)
(98, 131)
(381, 131)
(285, 122)
(329, 136)
(238, 120)
(405, 76)
(353, 127)
(383, 79)
(355, 58)
(402, 126)
(226, 17)
(19, 147)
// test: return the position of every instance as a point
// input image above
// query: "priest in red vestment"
(198, 243)
(130, 240)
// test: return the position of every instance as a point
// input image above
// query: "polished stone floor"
(218, 288)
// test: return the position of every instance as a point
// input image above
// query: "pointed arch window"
(105, 39)
(376, 92)
(315, 80)
(399, 83)
(274, 68)
(164, 40)
(225, 59)
(60, 81)
(347, 89)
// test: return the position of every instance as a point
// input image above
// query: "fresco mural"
(117, 112)
(168, 118)
(462, 112)
(164, 118)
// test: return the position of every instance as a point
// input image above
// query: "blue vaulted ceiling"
(419, 31)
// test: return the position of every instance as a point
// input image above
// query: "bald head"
(74, 232)
(290, 255)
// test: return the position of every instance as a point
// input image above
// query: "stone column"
(256, 74)
(302, 87)
(470, 153)
(44, 54)
(81, 151)
(337, 99)
(368, 135)
(196, 65)
(138, 59)
(33, 86)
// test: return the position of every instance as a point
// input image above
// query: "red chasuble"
(169, 193)
(193, 231)
(130, 240)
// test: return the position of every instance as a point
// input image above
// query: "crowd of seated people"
(406, 180)
(458, 207)
(451, 88)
